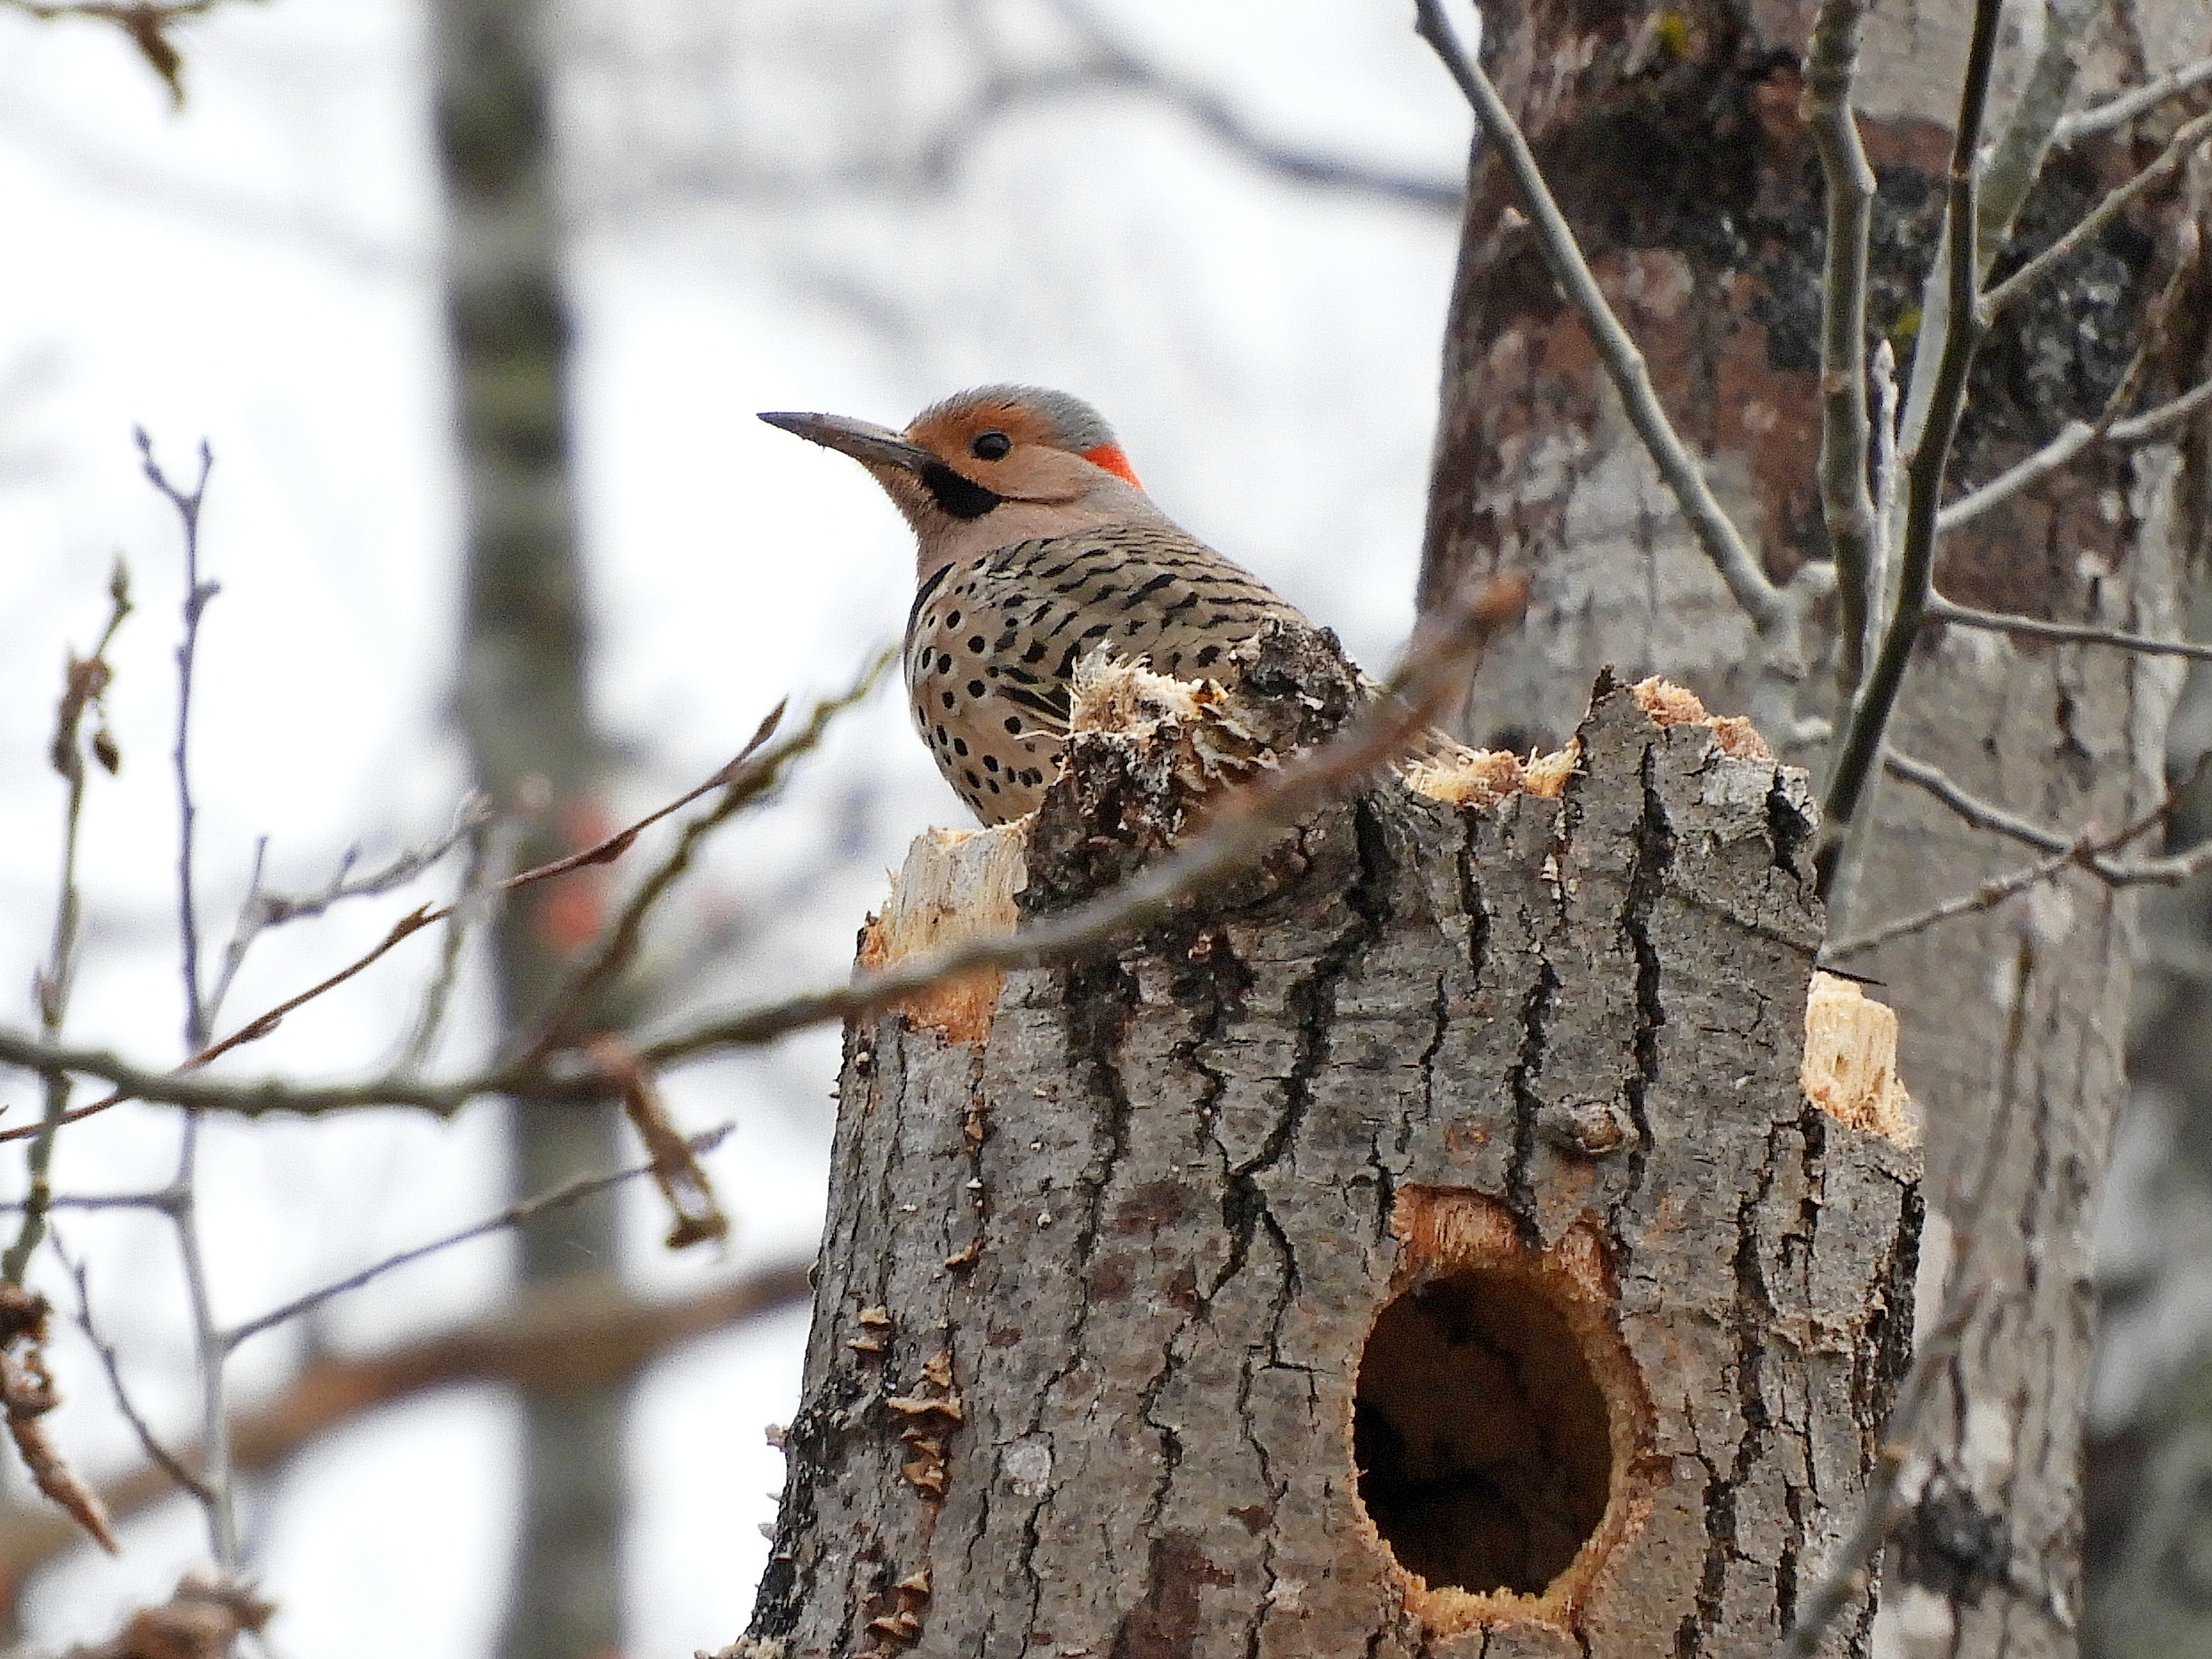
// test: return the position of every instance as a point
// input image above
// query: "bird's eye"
(990, 445)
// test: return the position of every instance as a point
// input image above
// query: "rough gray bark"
(1448, 1175)
(525, 711)
(1672, 135)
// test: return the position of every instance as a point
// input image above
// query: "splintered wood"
(1443, 1238)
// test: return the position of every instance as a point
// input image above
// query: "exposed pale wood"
(1850, 1070)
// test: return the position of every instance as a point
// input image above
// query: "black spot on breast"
(944, 662)
(959, 746)
(949, 699)
(991, 762)
(1013, 723)
(976, 688)
(976, 643)
(1035, 653)
(952, 618)
(1206, 656)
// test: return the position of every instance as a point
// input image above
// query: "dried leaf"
(677, 1170)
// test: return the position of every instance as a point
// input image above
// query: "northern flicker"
(1036, 547)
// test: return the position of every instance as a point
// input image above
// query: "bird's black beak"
(874, 445)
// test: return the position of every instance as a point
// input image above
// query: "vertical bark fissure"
(1647, 882)
(1535, 1010)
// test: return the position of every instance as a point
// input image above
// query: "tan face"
(1010, 450)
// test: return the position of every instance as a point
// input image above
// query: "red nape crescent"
(1110, 457)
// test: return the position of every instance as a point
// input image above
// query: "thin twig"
(196, 596)
(1981, 813)
(84, 686)
(1847, 505)
(747, 778)
(214, 1490)
(557, 1198)
(263, 909)
(147, 23)
(1862, 736)
(1988, 896)
(250, 1097)
(2087, 851)
(1942, 610)
(581, 1333)
(2118, 111)
(220, 1498)
(167, 1461)
(2117, 202)
(2091, 854)
(2074, 437)
(491, 861)
(1770, 610)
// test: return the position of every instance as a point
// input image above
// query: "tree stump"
(1423, 1244)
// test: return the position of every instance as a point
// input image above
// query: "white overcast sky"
(257, 271)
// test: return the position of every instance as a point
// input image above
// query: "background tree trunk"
(1672, 138)
(1425, 1243)
(525, 709)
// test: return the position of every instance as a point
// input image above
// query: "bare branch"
(558, 1197)
(2076, 436)
(2087, 851)
(1110, 66)
(579, 1334)
(162, 1457)
(84, 687)
(747, 778)
(491, 861)
(1770, 609)
(1847, 504)
(1981, 813)
(263, 909)
(248, 1097)
(179, 1089)
(196, 596)
(1942, 610)
(1861, 743)
(2184, 144)
(2116, 112)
